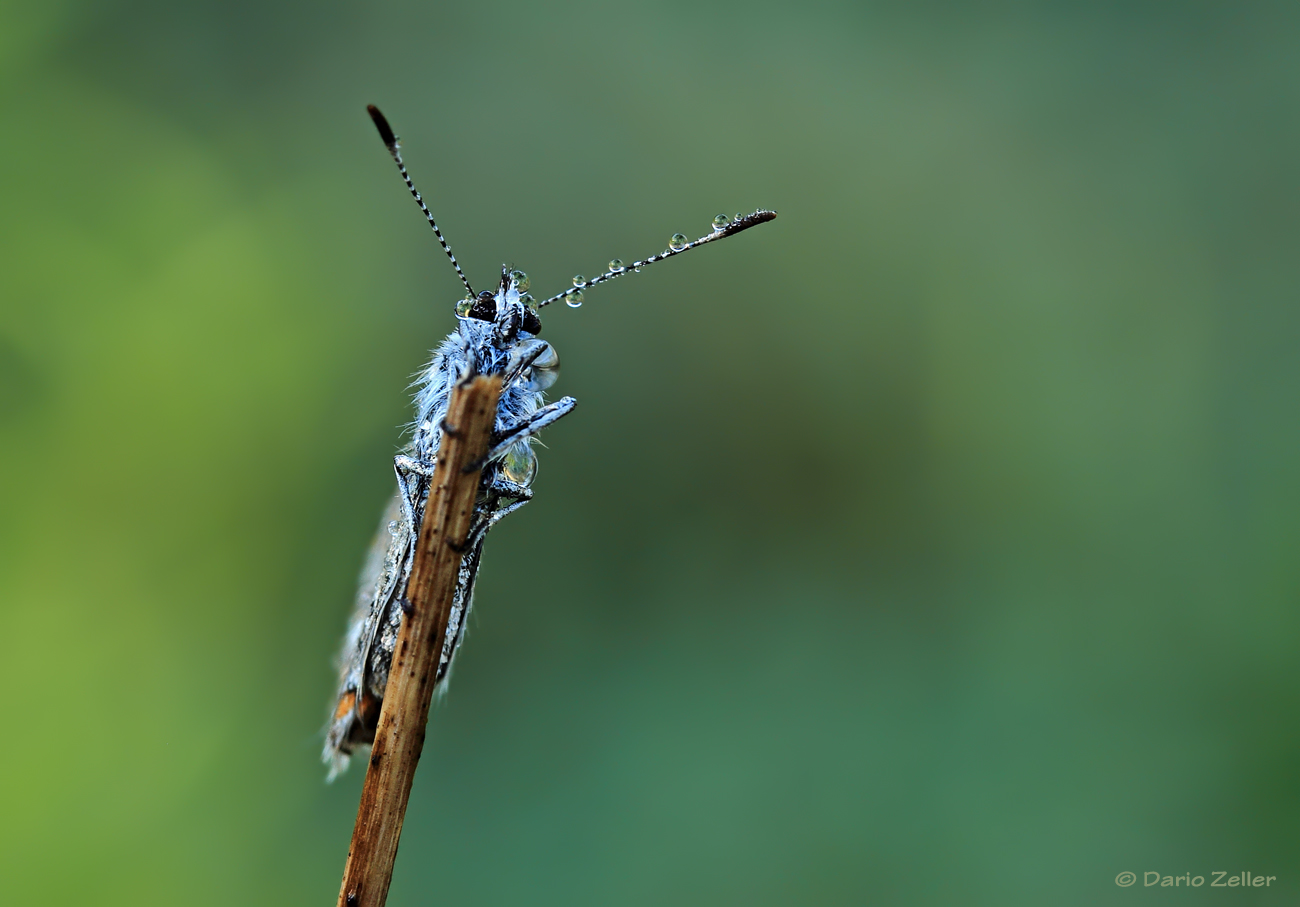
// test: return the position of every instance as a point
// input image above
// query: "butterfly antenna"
(723, 226)
(386, 133)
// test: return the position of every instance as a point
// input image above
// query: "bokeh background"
(933, 544)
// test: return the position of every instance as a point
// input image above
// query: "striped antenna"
(386, 133)
(722, 227)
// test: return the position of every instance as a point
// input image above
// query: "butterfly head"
(511, 308)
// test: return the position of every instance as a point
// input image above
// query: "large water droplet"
(532, 351)
(520, 280)
(548, 358)
(720, 221)
(573, 298)
(616, 265)
(519, 465)
(579, 280)
(544, 371)
(529, 302)
(678, 242)
(463, 306)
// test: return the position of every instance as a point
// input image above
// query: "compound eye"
(485, 307)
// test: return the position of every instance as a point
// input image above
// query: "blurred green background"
(934, 544)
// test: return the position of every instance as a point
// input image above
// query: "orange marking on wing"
(370, 706)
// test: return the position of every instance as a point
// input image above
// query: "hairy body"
(527, 366)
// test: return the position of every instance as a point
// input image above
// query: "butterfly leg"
(406, 467)
(499, 489)
(504, 488)
(526, 428)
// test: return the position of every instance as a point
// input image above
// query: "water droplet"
(541, 379)
(579, 280)
(678, 242)
(529, 302)
(519, 465)
(573, 298)
(548, 359)
(720, 221)
(545, 369)
(392, 527)
(463, 306)
(520, 280)
(616, 265)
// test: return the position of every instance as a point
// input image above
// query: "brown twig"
(399, 736)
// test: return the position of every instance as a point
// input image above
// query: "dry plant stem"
(399, 736)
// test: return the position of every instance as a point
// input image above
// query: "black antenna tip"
(761, 216)
(385, 131)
